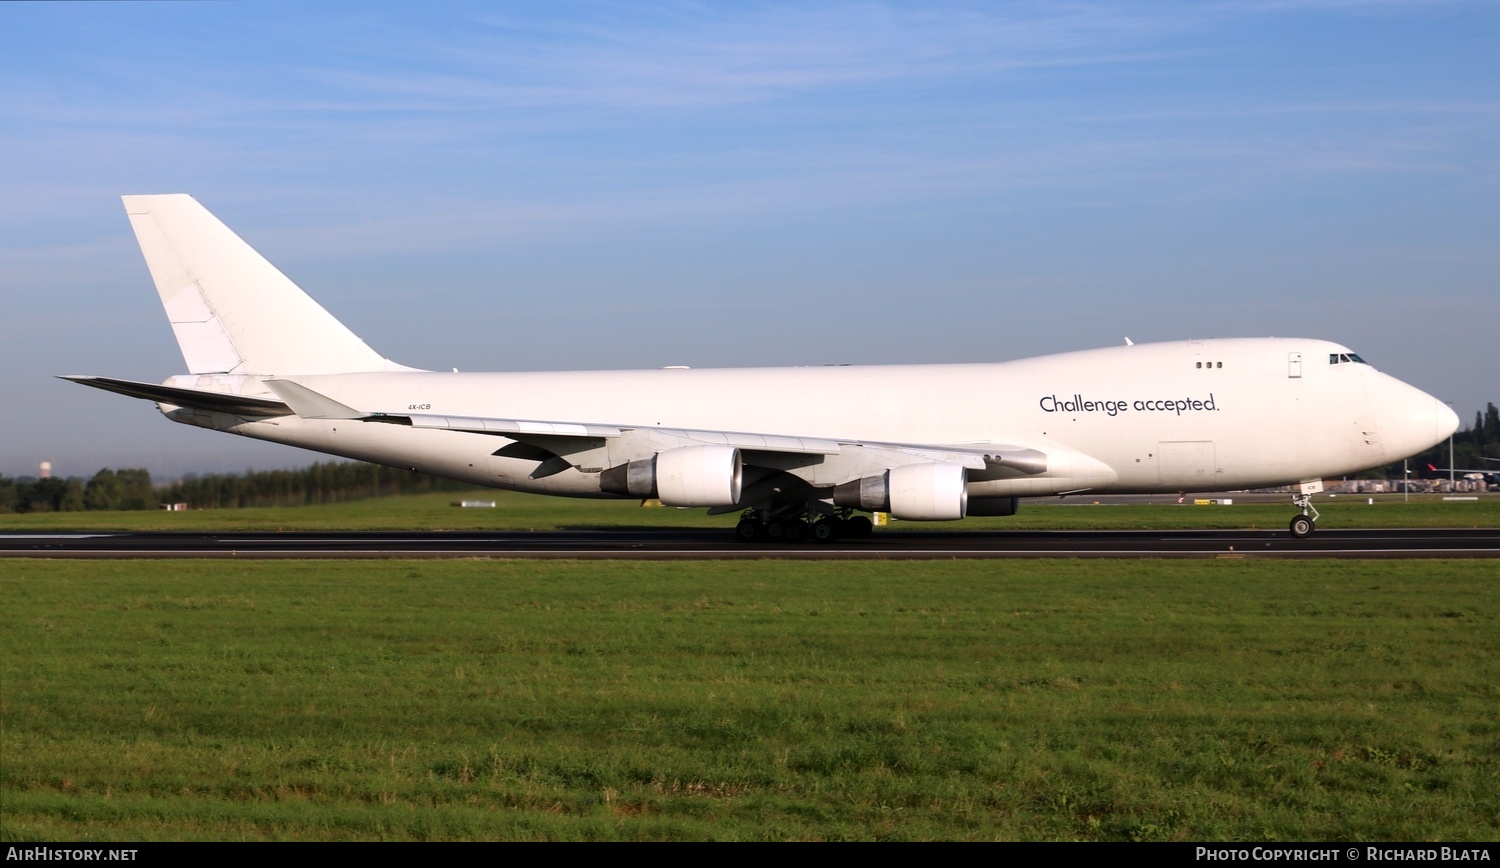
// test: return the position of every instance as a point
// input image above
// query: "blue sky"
(573, 186)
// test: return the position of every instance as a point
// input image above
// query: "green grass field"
(526, 511)
(1154, 700)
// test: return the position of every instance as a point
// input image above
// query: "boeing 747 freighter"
(800, 452)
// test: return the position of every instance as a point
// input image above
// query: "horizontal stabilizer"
(239, 405)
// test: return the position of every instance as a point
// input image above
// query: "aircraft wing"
(547, 434)
(527, 430)
(595, 446)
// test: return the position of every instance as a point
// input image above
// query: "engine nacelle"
(912, 492)
(690, 476)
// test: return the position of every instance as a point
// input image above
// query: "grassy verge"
(760, 700)
(532, 512)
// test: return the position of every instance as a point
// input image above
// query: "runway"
(678, 544)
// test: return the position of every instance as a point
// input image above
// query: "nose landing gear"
(1303, 525)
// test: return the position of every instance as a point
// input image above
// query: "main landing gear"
(1303, 525)
(795, 524)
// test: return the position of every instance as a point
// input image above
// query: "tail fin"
(232, 311)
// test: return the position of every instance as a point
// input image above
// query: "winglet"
(309, 404)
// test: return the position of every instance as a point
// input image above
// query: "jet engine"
(687, 476)
(914, 492)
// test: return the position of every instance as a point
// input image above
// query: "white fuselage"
(1209, 415)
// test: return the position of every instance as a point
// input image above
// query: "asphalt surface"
(653, 544)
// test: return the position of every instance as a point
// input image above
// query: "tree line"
(128, 489)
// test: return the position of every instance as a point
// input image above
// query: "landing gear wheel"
(1302, 527)
(749, 530)
(796, 530)
(827, 530)
(859, 526)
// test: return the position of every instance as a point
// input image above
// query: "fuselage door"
(1294, 364)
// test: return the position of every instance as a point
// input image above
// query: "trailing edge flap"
(197, 399)
(309, 404)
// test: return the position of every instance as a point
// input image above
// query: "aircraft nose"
(1447, 420)
(1411, 420)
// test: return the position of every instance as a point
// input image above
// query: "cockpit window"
(1336, 358)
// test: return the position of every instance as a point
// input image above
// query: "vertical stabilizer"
(232, 311)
